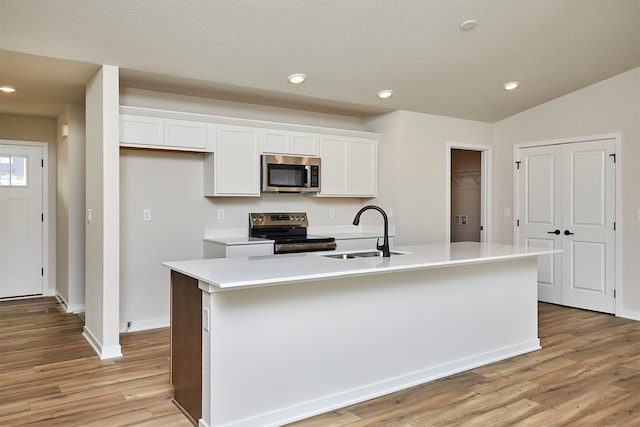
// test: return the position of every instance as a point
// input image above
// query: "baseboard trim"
(144, 325)
(630, 314)
(111, 352)
(73, 308)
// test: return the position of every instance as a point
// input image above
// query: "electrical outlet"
(220, 213)
(332, 213)
(89, 216)
(146, 215)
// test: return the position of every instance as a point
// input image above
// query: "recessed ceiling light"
(384, 94)
(469, 24)
(7, 89)
(511, 85)
(296, 78)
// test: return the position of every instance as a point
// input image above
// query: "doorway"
(468, 192)
(466, 188)
(566, 199)
(21, 220)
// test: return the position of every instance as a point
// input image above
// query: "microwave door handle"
(307, 176)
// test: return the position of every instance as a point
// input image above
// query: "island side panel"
(286, 352)
(186, 344)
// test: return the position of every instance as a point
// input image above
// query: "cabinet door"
(290, 143)
(237, 161)
(184, 133)
(275, 141)
(141, 130)
(304, 144)
(363, 167)
(334, 152)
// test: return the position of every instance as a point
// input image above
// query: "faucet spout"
(385, 243)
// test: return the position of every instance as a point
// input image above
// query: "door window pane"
(13, 171)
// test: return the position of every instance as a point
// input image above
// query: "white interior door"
(20, 220)
(566, 200)
(588, 226)
(539, 214)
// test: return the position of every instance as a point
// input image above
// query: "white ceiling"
(244, 50)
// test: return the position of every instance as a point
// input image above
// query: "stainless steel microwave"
(290, 174)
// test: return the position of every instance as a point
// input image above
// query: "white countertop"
(244, 272)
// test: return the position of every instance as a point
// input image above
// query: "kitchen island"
(286, 337)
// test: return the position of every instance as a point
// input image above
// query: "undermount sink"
(366, 254)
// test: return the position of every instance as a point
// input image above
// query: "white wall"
(70, 241)
(610, 106)
(102, 268)
(170, 185)
(28, 128)
(413, 169)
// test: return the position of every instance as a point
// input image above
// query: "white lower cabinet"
(221, 250)
(349, 166)
(234, 168)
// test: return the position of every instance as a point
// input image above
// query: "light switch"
(206, 319)
(507, 212)
(89, 216)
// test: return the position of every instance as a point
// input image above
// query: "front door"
(566, 200)
(21, 266)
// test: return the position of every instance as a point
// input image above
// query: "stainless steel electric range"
(289, 231)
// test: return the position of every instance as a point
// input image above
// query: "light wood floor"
(587, 374)
(50, 376)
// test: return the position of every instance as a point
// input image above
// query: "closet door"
(588, 218)
(540, 214)
(566, 200)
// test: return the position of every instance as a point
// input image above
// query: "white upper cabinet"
(141, 130)
(234, 168)
(185, 134)
(334, 174)
(363, 167)
(290, 143)
(161, 133)
(349, 158)
(349, 166)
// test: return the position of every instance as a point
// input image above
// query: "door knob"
(568, 233)
(554, 232)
